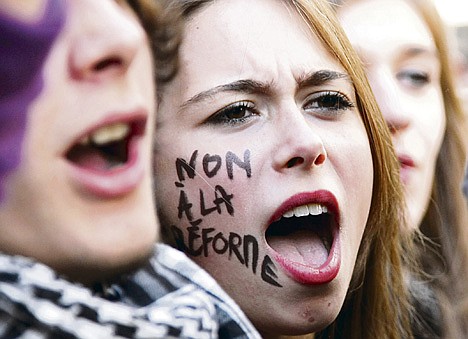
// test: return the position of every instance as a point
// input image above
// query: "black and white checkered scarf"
(171, 297)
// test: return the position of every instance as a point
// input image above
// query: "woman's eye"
(413, 78)
(233, 114)
(328, 103)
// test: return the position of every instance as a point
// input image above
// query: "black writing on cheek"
(193, 236)
(231, 159)
(211, 165)
(207, 241)
(268, 271)
(224, 199)
(189, 168)
(220, 243)
(235, 241)
(178, 237)
(207, 159)
(221, 198)
(184, 206)
(204, 211)
(245, 249)
(251, 246)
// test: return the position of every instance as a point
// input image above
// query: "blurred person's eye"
(414, 78)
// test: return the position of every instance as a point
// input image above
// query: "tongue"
(302, 246)
(89, 158)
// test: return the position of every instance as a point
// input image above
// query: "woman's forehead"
(265, 45)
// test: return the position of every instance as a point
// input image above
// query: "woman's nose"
(107, 43)
(389, 98)
(300, 146)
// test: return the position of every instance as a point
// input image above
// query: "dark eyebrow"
(251, 86)
(320, 78)
(243, 86)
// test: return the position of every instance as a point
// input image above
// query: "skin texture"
(294, 145)
(25, 10)
(404, 70)
(53, 211)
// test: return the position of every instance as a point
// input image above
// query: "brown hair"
(376, 304)
(162, 25)
(443, 242)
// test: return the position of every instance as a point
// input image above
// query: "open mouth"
(107, 147)
(303, 234)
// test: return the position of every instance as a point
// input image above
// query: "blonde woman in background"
(403, 45)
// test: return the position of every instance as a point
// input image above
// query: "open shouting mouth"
(106, 160)
(107, 147)
(304, 235)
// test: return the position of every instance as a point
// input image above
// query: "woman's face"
(404, 71)
(81, 198)
(263, 166)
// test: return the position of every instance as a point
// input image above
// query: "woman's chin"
(296, 321)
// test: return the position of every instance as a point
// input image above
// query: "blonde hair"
(377, 303)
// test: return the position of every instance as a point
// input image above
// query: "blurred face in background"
(81, 198)
(403, 68)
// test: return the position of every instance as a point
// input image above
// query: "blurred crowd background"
(455, 13)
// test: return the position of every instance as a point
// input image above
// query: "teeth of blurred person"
(111, 133)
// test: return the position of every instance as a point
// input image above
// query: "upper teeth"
(107, 134)
(304, 210)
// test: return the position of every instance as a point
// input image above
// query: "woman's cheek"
(202, 193)
(207, 218)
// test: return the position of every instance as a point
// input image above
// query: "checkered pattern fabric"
(157, 301)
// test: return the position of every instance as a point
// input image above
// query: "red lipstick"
(298, 243)
(407, 165)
